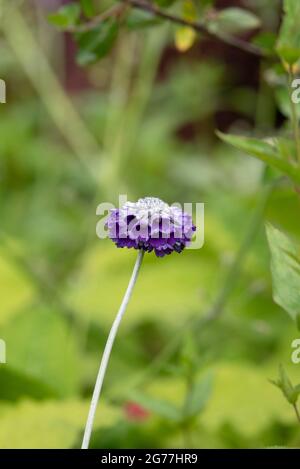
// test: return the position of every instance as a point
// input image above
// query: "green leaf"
(284, 384)
(16, 289)
(263, 151)
(158, 406)
(266, 41)
(285, 268)
(297, 389)
(288, 45)
(233, 21)
(87, 7)
(95, 44)
(49, 424)
(15, 385)
(48, 356)
(68, 15)
(138, 19)
(198, 397)
(286, 148)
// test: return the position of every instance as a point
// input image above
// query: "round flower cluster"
(151, 225)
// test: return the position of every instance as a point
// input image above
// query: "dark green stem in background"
(234, 270)
(297, 412)
(186, 425)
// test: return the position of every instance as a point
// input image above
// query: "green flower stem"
(107, 352)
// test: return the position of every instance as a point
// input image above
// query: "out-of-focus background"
(202, 335)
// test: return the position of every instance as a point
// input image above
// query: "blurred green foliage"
(202, 335)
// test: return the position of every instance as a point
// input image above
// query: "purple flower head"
(151, 225)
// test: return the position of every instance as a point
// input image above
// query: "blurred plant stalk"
(26, 48)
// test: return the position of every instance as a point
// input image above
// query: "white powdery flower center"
(148, 208)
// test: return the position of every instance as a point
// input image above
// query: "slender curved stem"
(107, 352)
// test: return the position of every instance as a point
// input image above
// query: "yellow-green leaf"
(50, 424)
(184, 38)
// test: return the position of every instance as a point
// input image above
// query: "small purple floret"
(151, 225)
